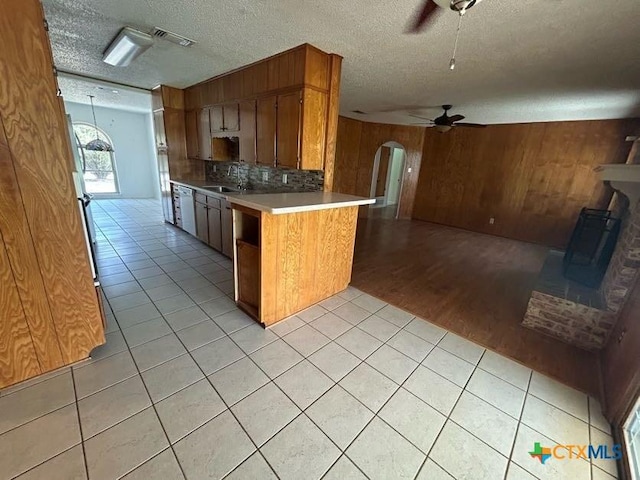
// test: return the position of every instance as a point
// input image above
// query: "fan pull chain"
(452, 63)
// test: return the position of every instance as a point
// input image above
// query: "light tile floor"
(188, 386)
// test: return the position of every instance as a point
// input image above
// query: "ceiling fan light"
(443, 128)
(126, 47)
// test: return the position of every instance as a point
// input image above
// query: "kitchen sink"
(220, 188)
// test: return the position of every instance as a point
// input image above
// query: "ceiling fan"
(429, 11)
(444, 122)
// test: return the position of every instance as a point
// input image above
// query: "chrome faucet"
(238, 180)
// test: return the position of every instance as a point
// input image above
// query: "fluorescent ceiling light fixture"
(126, 47)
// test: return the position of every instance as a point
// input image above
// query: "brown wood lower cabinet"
(202, 222)
(214, 219)
(214, 223)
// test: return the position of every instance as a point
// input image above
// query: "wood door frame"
(376, 168)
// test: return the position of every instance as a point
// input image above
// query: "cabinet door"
(227, 230)
(202, 227)
(204, 135)
(163, 165)
(288, 130)
(231, 117)
(191, 123)
(266, 131)
(215, 228)
(248, 132)
(217, 119)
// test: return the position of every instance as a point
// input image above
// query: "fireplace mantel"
(624, 179)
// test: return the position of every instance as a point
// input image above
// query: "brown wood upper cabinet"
(225, 118)
(248, 131)
(204, 134)
(266, 130)
(302, 82)
(289, 114)
(191, 124)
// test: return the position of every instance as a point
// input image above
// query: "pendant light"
(97, 145)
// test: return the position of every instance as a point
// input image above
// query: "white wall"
(132, 137)
(394, 176)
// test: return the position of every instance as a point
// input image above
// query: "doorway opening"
(386, 180)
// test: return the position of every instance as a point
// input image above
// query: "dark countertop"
(202, 186)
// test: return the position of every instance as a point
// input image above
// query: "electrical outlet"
(492, 221)
(265, 176)
(285, 178)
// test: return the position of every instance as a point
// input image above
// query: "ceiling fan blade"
(469, 125)
(421, 123)
(421, 118)
(456, 118)
(424, 17)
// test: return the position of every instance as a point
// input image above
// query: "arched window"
(99, 168)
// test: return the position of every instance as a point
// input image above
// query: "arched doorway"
(386, 179)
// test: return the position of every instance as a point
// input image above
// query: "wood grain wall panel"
(308, 266)
(316, 68)
(3, 137)
(18, 360)
(35, 132)
(333, 112)
(347, 155)
(371, 137)
(291, 246)
(344, 245)
(532, 178)
(24, 263)
(249, 82)
(269, 261)
(619, 361)
(314, 129)
(172, 97)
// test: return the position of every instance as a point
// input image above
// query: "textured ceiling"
(75, 89)
(518, 61)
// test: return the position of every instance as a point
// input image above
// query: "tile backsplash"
(253, 176)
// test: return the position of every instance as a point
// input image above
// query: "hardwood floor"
(473, 284)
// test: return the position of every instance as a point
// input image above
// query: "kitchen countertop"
(280, 202)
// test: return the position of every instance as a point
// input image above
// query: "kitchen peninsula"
(290, 250)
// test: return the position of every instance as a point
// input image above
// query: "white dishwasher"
(188, 209)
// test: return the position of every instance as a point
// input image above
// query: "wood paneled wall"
(44, 260)
(356, 148)
(532, 178)
(619, 360)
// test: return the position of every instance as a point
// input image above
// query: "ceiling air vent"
(172, 37)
